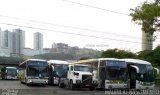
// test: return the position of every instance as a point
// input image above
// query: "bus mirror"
(156, 71)
(135, 67)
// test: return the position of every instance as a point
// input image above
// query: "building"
(147, 41)
(38, 42)
(60, 48)
(0, 38)
(7, 38)
(5, 43)
(18, 42)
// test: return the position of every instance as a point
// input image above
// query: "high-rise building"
(5, 43)
(18, 42)
(38, 41)
(147, 41)
(0, 38)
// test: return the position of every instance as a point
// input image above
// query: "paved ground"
(13, 87)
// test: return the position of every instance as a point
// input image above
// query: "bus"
(33, 71)
(111, 73)
(141, 74)
(57, 70)
(9, 73)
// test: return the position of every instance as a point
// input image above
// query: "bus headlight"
(29, 80)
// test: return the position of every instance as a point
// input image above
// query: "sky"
(83, 23)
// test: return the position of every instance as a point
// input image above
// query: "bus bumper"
(37, 81)
(115, 86)
(138, 86)
(10, 77)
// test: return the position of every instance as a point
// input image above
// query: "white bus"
(34, 71)
(141, 74)
(57, 70)
(9, 73)
(111, 73)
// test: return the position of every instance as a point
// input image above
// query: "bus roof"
(79, 65)
(57, 62)
(32, 60)
(35, 60)
(99, 59)
(11, 67)
(137, 61)
(110, 59)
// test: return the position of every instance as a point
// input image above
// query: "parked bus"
(34, 71)
(111, 73)
(57, 69)
(9, 73)
(141, 74)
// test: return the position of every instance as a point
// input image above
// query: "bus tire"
(61, 85)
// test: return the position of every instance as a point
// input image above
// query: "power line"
(103, 9)
(99, 37)
(79, 28)
(73, 27)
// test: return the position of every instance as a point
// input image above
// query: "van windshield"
(82, 68)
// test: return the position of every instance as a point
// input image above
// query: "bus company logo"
(133, 92)
(9, 92)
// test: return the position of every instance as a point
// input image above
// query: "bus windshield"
(145, 73)
(116, 70)
(60, 69)
(37, 68)
(82, 68)
(11, 71)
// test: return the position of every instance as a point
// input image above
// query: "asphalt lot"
(14, 87)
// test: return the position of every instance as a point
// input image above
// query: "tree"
(152, 56)
(145, 15)
(115, 53)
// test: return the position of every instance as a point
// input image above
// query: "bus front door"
(133, 70)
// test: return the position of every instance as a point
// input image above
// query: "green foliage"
(115, 53)
(84, 58)
(152, 56)
(145, 15)
(10, 60)
(57, 56)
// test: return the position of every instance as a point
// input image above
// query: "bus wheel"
(61, 85)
